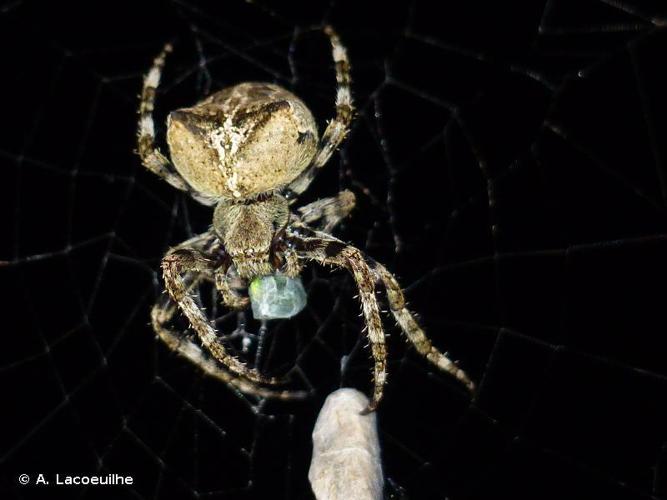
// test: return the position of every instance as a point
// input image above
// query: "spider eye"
(276, 296)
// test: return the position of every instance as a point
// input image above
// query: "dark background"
(509, 163)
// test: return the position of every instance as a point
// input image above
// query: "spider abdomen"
(242, 141)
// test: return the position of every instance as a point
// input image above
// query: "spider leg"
(164, 310)
(292, 265)
(182, 260)
(337, 253)
(338, 126)
(151, 156)
(412, 329)
(150, 153)
(229, 296)
(327, 212)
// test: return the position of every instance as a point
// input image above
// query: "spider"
(251, 149)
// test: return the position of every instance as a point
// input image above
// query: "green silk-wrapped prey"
(276, 296)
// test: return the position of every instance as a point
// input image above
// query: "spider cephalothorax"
(250, 150)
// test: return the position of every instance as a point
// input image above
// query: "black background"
(509, 162)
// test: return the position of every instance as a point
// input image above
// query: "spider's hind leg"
(412, 329)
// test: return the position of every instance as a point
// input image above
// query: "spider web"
(509, 165)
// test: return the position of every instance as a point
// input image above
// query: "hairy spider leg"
(163, 311)
(151, 156)
(325, 214)
(333, 252)
(174, 265)
(338, 126)
(327, 249)
(411, 328)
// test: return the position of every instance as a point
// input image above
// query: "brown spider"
(250, 150)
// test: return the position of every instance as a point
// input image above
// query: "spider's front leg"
(337, 253)
(326, 249)
(174, 265)
(162, 313)
(412, 330)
